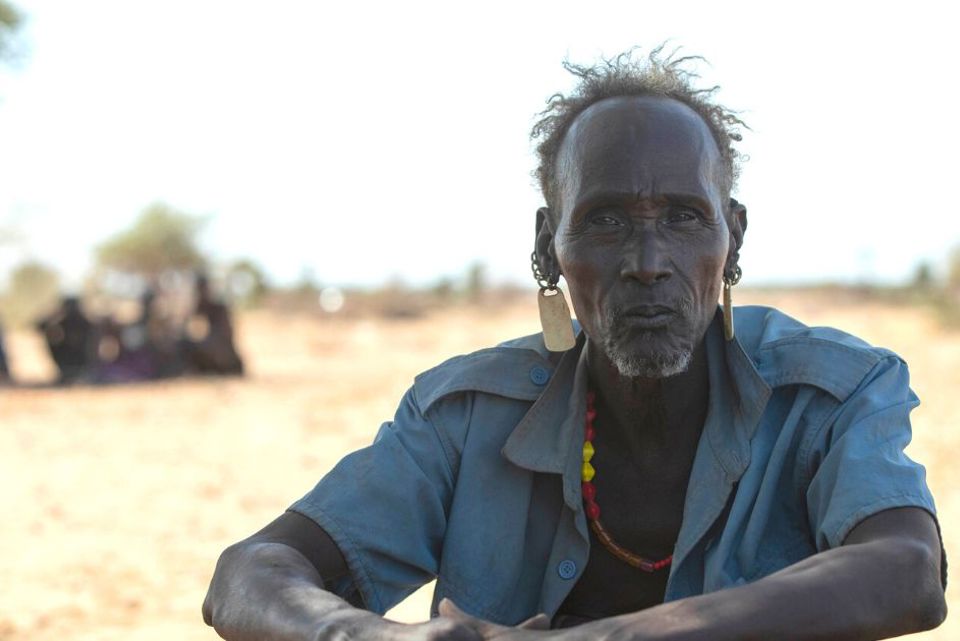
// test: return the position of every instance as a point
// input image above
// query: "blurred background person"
(68, 334)
(126, 351)
(208, 346)
(4, 368)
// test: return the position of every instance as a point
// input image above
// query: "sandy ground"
(116, 502)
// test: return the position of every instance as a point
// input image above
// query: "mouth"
(649, 316)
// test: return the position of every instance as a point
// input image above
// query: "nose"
(645, 261)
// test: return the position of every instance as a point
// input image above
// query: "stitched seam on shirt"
(721, 456)
(352, 555)
(799, 376)
(864, 351)
(831, 421)
(889, 502)
(447, 458)
(464, 382)
(515, 392)
(805, 448)
(521, 437)
(806, 464)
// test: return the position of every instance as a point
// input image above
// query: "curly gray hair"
(623, 75)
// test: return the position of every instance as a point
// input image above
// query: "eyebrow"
(594, 198)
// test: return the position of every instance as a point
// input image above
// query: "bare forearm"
(852, 593)
(269, 591)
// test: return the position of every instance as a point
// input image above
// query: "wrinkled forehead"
(648, 145)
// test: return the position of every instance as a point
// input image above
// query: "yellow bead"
(587, 451)
(587, 472)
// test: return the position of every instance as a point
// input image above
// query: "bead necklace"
(593, 510)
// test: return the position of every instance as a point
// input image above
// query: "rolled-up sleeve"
(386, 507)
(857, 465)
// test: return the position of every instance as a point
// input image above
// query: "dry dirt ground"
(117, 501)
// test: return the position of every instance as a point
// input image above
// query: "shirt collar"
(541, 440)
(549, 437)
(738, 396)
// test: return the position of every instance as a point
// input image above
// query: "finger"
(447, 608)
(537, 622)
(445, 629)
(487, 629)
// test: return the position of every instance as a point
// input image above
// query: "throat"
(651, 416)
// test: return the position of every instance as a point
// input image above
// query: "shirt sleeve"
(858, 463)
(385, 506)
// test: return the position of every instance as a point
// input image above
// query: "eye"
(605, 218)
(681, 215)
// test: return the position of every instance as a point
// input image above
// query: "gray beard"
(646, 365)
(659, 366)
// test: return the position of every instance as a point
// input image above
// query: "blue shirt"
(476, 481)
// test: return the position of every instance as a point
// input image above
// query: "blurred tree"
(162, 239)
(476, 284)
(33, 290)
(443, 289)
(953, 269)
(10, 21)
(307, 284)
(923, 276)
(246, 282)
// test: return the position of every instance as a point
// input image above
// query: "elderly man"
(675, 472)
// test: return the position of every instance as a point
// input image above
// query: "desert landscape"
(117, 501)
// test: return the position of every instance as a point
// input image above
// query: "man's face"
(641, 236)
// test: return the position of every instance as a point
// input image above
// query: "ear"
(543, 243)
(737, 223)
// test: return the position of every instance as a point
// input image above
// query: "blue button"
(539, 375)
(567, 569)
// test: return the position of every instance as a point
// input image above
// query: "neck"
(649, 410)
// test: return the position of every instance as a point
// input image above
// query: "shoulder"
(788, 352)
(517, 369)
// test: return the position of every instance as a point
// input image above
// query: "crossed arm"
(269, 587)
(883, 581)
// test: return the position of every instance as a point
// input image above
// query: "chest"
(641, 498)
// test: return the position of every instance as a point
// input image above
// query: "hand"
(529, 629)
(440, 629)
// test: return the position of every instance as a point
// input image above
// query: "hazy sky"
(369, 141)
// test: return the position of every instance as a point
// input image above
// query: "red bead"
(591, 415)
(593, 510)
(589, 491)
(590, 434)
